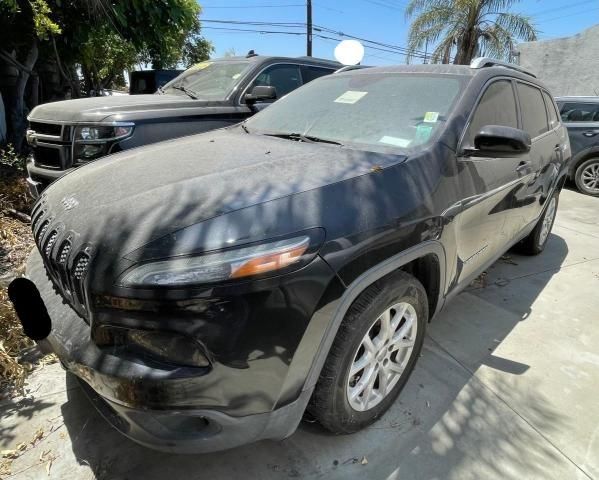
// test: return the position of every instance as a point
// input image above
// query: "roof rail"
(347, 68)
(482, 62)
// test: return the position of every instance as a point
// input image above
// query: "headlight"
(226, 265)
(92, 133)
(93, 141)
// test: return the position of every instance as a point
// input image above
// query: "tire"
(536, 240)
(587, 177)
(330, 403)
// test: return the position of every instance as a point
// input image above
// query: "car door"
(489, 185)
(582, 121)
(543, 152)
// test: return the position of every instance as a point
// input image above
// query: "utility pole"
(309, 28)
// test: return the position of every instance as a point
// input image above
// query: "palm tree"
(464, 29)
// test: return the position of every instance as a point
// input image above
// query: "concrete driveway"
(506, 388)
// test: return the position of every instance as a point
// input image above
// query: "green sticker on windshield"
(423, 133)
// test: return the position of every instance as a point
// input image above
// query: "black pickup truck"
(209, 95)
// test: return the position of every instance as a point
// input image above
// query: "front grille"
(50, 243)
(64, 252)
(66, 263)
(46, 128)
(47, 157)
(77, 275)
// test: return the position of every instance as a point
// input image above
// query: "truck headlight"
(255, 260)
(93, 141)
(94, 133)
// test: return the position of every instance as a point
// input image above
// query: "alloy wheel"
(590, 177)
(382, 357)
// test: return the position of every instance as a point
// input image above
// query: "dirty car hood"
(98, 109)
(137, 196)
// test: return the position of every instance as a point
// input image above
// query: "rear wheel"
(373, 354)
(587, 177)
(535, 242)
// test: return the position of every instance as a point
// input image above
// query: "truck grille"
(46, 128)
(66, 264)
(47, 157)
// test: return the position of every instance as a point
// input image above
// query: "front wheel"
(587, 177)
(373, 354)
(535, 242)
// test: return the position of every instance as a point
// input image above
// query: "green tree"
(464, 29)
(103, 57)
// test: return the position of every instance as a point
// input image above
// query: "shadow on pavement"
(446, 423)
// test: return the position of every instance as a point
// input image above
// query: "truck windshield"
(373, 111)
(208, 80)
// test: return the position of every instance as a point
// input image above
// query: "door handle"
(524, 165)
(590, 133)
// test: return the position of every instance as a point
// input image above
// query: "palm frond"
(518, 25)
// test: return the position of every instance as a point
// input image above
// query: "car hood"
(127, 200)
(116, 108)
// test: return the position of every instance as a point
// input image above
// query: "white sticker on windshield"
(398, 142)
(351, 96)
(431, 117)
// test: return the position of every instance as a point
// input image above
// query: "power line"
(403, 50)
(571, 15)
(565, 7)
(254, 6)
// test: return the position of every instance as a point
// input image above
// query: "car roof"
(268, 58)
(484, 73)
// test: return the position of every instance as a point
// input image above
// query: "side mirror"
(502, 140)
(260, 92)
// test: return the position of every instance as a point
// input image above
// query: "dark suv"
(581, 117)
(208, 290)
(209, 95)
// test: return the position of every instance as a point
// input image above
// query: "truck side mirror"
(259, 93)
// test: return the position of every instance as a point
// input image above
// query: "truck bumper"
(38, 178)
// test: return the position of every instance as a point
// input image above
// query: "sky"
(382, 21)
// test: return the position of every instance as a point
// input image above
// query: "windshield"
(373, 111)
(208, 80)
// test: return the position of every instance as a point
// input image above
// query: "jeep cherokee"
(209, 290)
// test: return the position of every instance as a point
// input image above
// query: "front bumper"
(198, 431)
(186, 410)
(39, 178)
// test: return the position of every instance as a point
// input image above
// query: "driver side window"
(497, 106)
(285, 78)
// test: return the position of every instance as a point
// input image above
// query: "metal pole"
(309, 28)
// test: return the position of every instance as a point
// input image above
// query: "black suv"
(581, 117)
(208, 290)
(209, 95)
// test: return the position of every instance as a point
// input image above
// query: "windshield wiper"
(302, 138)
(190, 93)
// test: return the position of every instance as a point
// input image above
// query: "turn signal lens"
(270, 262)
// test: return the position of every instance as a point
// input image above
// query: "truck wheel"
(535, 242)
(372, 355)
(587, 177)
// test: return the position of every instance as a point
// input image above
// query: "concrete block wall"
(568, 66)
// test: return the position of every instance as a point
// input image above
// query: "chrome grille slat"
(50, 243)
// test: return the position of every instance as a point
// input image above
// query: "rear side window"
(534, 115)
(553, 117)
(580, 112)
(310, 73)
(497, 106)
